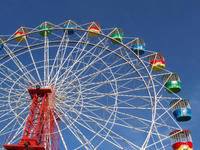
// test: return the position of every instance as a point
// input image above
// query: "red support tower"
(40, 122)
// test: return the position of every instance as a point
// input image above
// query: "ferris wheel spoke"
(122, 101)
(60, 55)
(108, 130)
(118, 124)
(46, 60)
(6, 96)
(33, 61)
(10, 76)
(120, 78)
(56, 35)
(35, 39)
(90, 62)
(17, 91)
(167, 112)
(8, 132)
(94, 92)
(6, 114)
(157, 142)
(67, 59)
(126, 114)
(113, 142)
(90, 100)
(5, 93)
(97, 95)
(87, 142)
(7, 126)
(100, 70)
(17, 132)
(125, 124)
(162, 87)
(13, 119)
(19, 64)
(159, 137)
(65, 74)
(89, 105)
(13, 109)
(60, 133)
(83, 70)
(102, 82)
(17, 119)
(94, 133)
(14, 102)
(75, 131)
(94, 87)
(154, 141)
(7, 104)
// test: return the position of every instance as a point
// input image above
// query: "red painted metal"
(40, 122)
(56, 137)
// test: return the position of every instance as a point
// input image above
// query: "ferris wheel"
(71, 86)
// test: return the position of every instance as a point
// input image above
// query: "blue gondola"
(181, 110)
(138, 46)
(70, 26)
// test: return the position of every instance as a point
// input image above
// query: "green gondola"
(117, 35)
(172, 82)
(44, 28)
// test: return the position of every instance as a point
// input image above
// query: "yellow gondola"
(157, 62)
(94, 27)
(21, 34)
(181, 140)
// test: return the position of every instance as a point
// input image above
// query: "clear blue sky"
(169, 26)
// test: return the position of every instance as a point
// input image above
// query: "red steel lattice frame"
(40, 123)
